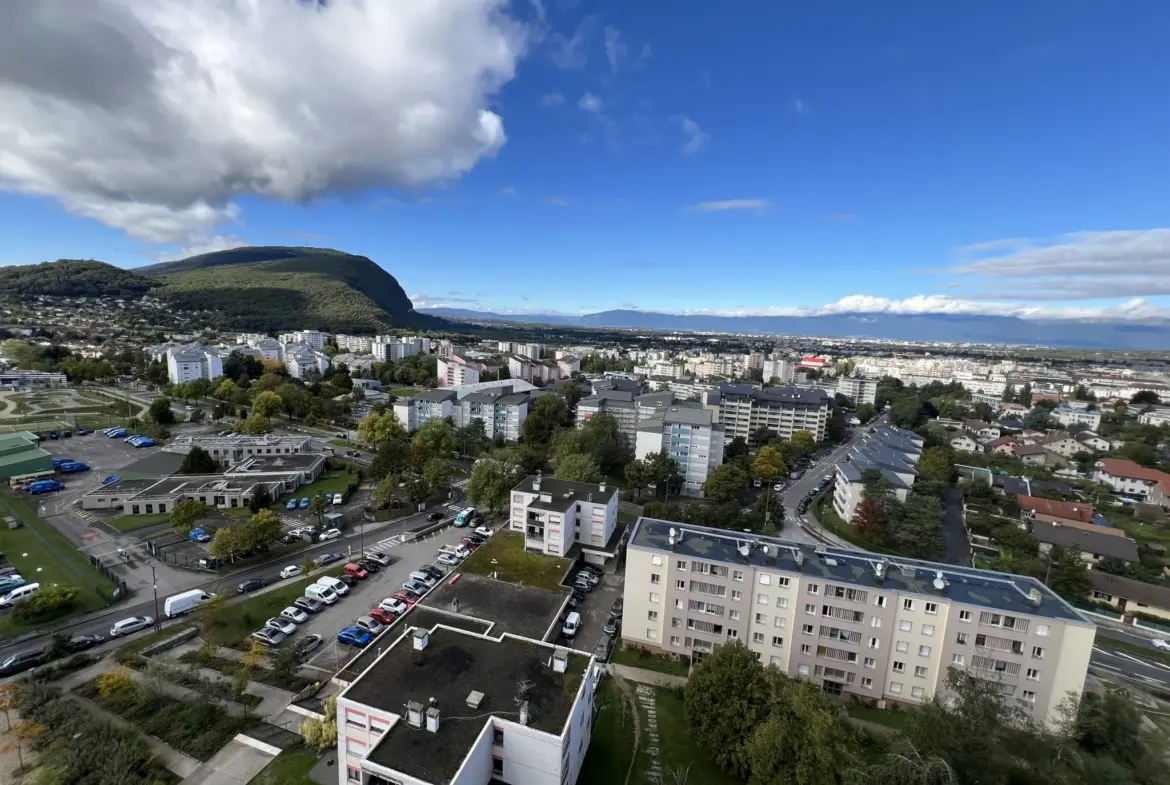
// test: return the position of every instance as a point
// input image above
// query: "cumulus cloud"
(556, 201)
(572, 51)
(616, 50)
(1081, 265)
(696, 139)
(590, 103)
(729, 204)
(154, 116)
(551, 99)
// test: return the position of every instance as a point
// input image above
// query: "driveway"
(958, 547)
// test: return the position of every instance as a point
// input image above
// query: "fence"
(1151, 625)
(120, 587)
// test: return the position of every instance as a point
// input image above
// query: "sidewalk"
(235, 764)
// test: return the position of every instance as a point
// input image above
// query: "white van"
(184, 602)
(322, 593)
(18, 594)
(571, 625)
(339, 587)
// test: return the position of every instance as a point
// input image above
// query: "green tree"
(548, 415)
(866, 412)
(381, 428)
(1024, 397)
(908, 413)
(602, 439)
(320, 735)
(295, 399)
(433, 439)
(936, 464)
(803, 443)
(1038, 419)
(254, 425)
(287, 662)
(662, 470)
(436, 473)
(393, 458)
(836, 427)
(803, 741)
(227, 544)
(384, 491)
(725, 483)
(1140, 453)
(638, 474)
(918, 533)
(492, 481)
(160, 411)
(58, 647)
(472, 438)
(260, 499)
(1069, 576)
(269, 382)
(768, 464)
(1109, 724)
(318, 506)
(1145, 398)
(186, 514)
(726, 699)
(198, 461)
(225, 390)
(267, 404)
(578, 468)
(736, 448)
(761, 436)
(264, 528)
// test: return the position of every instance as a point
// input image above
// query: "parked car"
(281, 625)
(307, 644)
(583, 585)
(571, 625)
(432, 571)
(1158, 643)
(380, 558)
(612, 626)
(348, 580)
(483, 531)
(369, 624)
(292, 504)
(382, 616)
(294, 614)
(325, 558)
(603, 648)
(291, 571)
(435, 516)
(304, 503)
(354, 636)
(589, 576)
(83, 642)
(448, 559)
(199, 535)
(357, 571)
(132, 624)
(310, 604)
(82, 431)
(329, 534)
(407, 596)
(425, 578)
(252, 584)
(269, 637)
(367, 564)
(21, 661)
(417, 587)
(394, 605)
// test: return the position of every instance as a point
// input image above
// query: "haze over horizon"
(558, 157)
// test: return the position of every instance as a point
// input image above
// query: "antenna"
(940, 582)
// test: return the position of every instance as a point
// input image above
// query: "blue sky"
(728, 157)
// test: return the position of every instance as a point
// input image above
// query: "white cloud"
(510, 191)
(556, 201)
(219, 242)
(590, 103)
(551, 99)
(729, 204)
(153, 116)
(571, 52)
(799, 106)
(697, 138)
(616, 50)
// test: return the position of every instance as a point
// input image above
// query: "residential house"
(1063, 444)
(555, 514)
(1035, 455)
(1004, 445)
(1128, 595)
(1127, 477)
(313, 338)
(1093, 441)
(1075, 514)
(982, 430)
(1092, 544)
(502, 412)
(892, 451)
(964, 443)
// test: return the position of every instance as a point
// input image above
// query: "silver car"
(269, 637)
(281, 625)
(127, 626)
(294, 614)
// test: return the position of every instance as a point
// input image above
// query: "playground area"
(63, 407)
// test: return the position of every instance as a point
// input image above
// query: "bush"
(50, 602)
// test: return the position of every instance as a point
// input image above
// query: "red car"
(356, 571)
(468, 544)
(407, 596)
(382, 616)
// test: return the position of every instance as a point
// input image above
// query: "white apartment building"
(302, 361)
(193, 361)
(388, 349)
(884, 630)
(617, 403)
(444, 706)
(744, 409)
(454, 371)
(502, 412)
(413, 412)
(313, 338)
(688, 435)
(554, 514)
(1157, 416)
(780, 371)
(892, 451)
(357, 344)
(269, 348)
(520, 367)
(858, 390)
(1067, 416)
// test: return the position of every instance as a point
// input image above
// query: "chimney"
(560, 660)
(1034, 597)
(433, 719)
(421, 639)
(524, 713)
(536, 482)
(602, 487)
(414, 714)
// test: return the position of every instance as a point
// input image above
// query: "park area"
(504, 556)
(65, 407)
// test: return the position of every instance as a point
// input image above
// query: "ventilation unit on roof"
(432, 715)
(560, 660)
(414, 714)
(879, 570)
(474, 699)
(745, 549)
(799, 558)
(1035, 597)
(767, 549)
(524, 713)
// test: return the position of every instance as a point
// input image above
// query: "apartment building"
(1156, 416)
(388, 349)
(313, 338)
(744, 409)
(892, 451)
(879, 629)
(455, 371)
(303, 361)
(1067, 416)
(555, 514)
(619, 404)
(193, 361)
(446, 706)
(414, 411)
(502, 412)
(689, 435)
(520, 367)
(358, 344)
(858, 390)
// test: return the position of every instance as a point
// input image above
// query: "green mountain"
(72, 278)
(269, 288)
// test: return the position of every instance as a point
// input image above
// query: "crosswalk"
(398, 539)
(87, 516)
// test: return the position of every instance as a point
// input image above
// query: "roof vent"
(433, 719)
(421, 639)
(474, 699)
(560, 660)
(536, 482)
(414, 714)
(1034, 597)
(799, 558)
(524, 713)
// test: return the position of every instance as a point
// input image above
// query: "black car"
(435, 516)
(367, 565)
(325, 558)
(309, 604)
(604, 648)
(348, 580)
(21, 661)
(252, 584)
(432, 571)
(612, 626)
(83, 642)
(617, 608)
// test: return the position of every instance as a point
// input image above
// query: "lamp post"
(154, 587)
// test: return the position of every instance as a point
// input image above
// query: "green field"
(290, 767)
(330, 482)
(243, 618)
(639, 658)
(612, 744)
(404, 392)
(127, 523)
(887, 717)
(504, 555)
(44, 556)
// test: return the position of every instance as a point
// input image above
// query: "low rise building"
(314, 339)
(1067, 416)
(556, 514)
(1128, 595)
(1127, 477)
(1075, 514)
(235, 447)
(964, 443)
(892, 451)
(1094, 544)
(193, 361)
(688, 435)
(858, 390)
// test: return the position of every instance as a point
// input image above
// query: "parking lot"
(594, 612)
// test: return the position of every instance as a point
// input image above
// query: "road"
(1123, 665)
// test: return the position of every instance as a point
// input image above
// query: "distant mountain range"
(1068, 333)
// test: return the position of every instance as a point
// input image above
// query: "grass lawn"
(330, 482)
(886, 717)
(51, 559)
(612, 744)
(640, 658)
(404, 392)
(290, 767)
(349, 445)
(127, 523)
(1142, 531)
(516, 565)
(241, 619)
(676, 751)
(236, 512)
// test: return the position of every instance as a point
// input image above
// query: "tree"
(726, 698)
(212, 612)
(983, 411)
(908, 413)
(870, 519)
(287, 662)
(1024, 397)
(735, 448)
(1009, 394)
(269, 382)
(762, 435)
(472, 438)
(381, 428)
(1038, 419)
(320, 735)
(9, 700)
(186, 514)
(267, 404)
(936, 465)
(384, 492)
(637, 474)
(57, 647)
(602, 439)
(1069, 575)
(804, 740)
(548, 415)
(318, 506)
(492, 481)
(228, 542)
(803, 443)
(918, 531)
(393, 457)
(1140, 453)
(1145, 398)
(662, 470)
(866, 412)
(254, 425)
(198, 461)
(264, 528)
(260, 499)
(769, 464)
(296, 399)
(436, 473)
(160, 411)
(433, 439)
(26, 732)
(1109, 724)
(836, 427)
(578, 468)
(725, 483)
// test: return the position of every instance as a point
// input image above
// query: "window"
(802, 670)
(651, 634)
(737, 595)
(964, 615)
(923, 651)
(732, 633)
(810, 609)
(781, 581)
(867, 684)
(906, 626)
(1037, 652)
(805, 648)
(777, 641)
(652, 615)
(674, 641)
(869, 662)
(957, 659)
(733, 615)
(961, 639)
(765, 580)
(737, 575)
(653, 596)
(874, 643)
(917, 692)
(656, 561)
(761, 599)
(761, 618)
(876, 621)
(902, 646)
(655, 578)
(899, 667)
(497, 737)
(680, 565)
(907, 605)
(1042, 630)
(352, 774)
(1033, 674)
(932, 608)
(928, 629)
(896, 687)
(806, 629)
(782, 602)
(814, 588)
(778, 622)
(497, 765)
(757, 637)
(879, 601)
(1029, 696)
(920, 671)
(774, 660)
(680, 585)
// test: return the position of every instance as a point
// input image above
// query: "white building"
(688, 435)
(193, 361)
(454, 371)
(313, 338)
(357, 344)
(1068, 416)
(780, 371)
(302, 361)
(413, 412)
(389, 349)
(446, 706)
(892, 451)
(554, 514)
(744, 409)
(1156, 416)
(503, 406)
(858, 390)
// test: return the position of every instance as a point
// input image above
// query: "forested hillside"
(72, 278)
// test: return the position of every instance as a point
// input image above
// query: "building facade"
(743, 410)
(454, 371)
(555, 514)
(193, 361)
(858, 390)
(892, 451)
(689, 435)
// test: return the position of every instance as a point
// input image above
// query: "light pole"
(154, 586)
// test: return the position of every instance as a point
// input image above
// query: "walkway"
(175, 761)
(955, 533)
(235, 764)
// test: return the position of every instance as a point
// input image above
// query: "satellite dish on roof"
(940, 582)
(673, 532)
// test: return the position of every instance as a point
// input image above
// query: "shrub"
(48, 603)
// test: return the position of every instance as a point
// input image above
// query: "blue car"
(304, 503)
(144, 443)
(116, 433)
(199, 535)
(329, 498)
(354, 637)
(292, 504)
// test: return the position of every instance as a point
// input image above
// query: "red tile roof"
(1073, 511)
(1119, 467)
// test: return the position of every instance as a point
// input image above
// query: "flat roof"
(999, 591)
(558, 489)
(158, 464)
(454, 664)
(123, 486)
(510, 607)
(416, 616)
(276, 464)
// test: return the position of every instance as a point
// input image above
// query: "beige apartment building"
(743, 410)
(858, 624)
